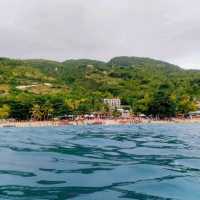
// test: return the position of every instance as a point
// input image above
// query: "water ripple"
(141, 162)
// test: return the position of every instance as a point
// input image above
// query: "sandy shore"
(94, 122)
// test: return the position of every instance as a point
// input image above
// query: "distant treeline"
(43, 89)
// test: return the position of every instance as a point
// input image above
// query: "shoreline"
(104, 122)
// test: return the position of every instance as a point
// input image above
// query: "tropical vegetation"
(43, 89)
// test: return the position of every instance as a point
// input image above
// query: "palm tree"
(47, 111)
(36, 112)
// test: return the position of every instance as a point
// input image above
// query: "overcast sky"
(61, 29)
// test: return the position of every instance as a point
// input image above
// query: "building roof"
(195, 113)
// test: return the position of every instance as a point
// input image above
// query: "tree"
(72, 104)
(43, 112)
(4, 112)
(140, 105)
(186, 105)
(163, 103)
(47, 111)
(36, 112)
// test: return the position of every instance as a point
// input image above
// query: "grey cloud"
(101, 29)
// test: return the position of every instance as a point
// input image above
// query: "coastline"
(105, 122)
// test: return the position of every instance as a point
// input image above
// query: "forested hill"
(80, 85)
(137, 61)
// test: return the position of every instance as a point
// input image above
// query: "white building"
(194, 114)
(113, 103)
(124, 113)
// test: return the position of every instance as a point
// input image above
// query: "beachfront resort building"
(113, 103)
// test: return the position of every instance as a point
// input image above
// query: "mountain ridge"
(112, 61)
(27, 84)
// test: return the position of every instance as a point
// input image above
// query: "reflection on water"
(141, 162)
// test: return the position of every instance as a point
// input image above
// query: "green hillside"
(78, 86)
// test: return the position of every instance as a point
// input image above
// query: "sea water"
(139, 162)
